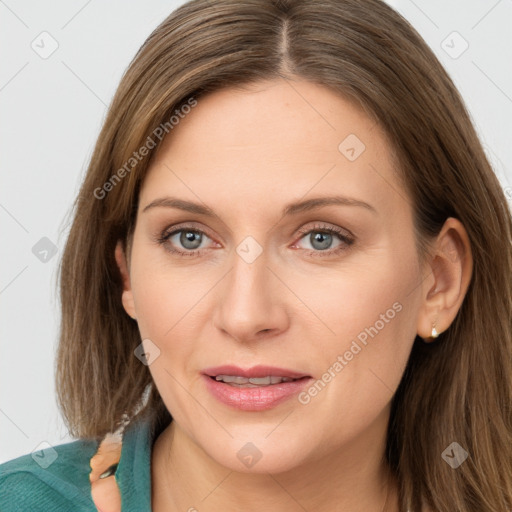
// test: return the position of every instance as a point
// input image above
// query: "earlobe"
(450, 269)
(127, 294)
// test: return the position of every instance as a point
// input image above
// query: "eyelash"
(341, 234)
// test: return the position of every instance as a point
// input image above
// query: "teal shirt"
(64, 485)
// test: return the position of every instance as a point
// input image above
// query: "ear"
(449, 271)
(127, 295)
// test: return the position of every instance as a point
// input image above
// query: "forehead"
(277, 140)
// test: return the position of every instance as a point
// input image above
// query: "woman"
(287, 282)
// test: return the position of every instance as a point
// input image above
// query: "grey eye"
(320, 241)
(190, 239)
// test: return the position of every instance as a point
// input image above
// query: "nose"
(251, 301)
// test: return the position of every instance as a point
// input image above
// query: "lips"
(253, 389)
(259, 371)
(236, 380)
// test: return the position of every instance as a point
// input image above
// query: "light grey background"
(51, 112)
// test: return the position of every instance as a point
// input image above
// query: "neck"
(186, 478)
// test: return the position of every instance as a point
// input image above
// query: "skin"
(246, 154)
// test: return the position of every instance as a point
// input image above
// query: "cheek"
(173, 305)
(166, 295)
(372, 313)
(167, 303)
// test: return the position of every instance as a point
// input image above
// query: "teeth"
(253, 381)
(260, 381)
(232, 379)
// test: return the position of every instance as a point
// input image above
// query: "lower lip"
(254, 399)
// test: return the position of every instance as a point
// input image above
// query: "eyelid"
(303, 230)
(191, 226)
(346, 238)
(344, 235)
(320, 226)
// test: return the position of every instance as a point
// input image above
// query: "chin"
(257, 455)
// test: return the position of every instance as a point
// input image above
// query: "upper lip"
(254, 371)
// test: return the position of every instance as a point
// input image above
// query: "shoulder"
(55, 478)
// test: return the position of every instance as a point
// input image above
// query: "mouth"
(253, 382)
(253, 389)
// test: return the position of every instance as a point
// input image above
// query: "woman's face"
(263, 281)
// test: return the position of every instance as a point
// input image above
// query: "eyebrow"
(290, 209)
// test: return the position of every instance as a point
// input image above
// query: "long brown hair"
(458, 389)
